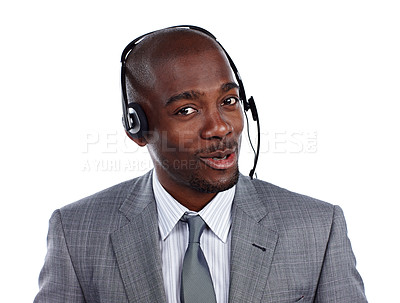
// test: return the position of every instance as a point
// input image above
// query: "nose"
(215, 126)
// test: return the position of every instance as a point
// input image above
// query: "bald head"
(156, 51)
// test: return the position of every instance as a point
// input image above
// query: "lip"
(222, 164)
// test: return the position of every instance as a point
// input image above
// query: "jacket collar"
(136, 245)
(254, 239)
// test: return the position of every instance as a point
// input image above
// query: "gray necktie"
(196, 282)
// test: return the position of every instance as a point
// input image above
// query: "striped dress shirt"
(174, 234)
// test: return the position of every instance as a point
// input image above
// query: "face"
(195, 121)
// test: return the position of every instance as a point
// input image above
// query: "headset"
(134, 118)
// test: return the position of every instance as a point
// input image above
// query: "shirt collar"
(216, 214)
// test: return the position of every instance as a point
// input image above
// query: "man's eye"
(186, 111)
(230, 101)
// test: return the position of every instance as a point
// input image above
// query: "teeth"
(218, 159)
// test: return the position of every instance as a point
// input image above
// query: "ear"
(139, 141)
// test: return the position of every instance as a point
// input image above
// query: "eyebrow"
(187, 95)
(193, 95)
(228, 86)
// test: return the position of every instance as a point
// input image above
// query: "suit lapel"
(253, 244)
(136, 245)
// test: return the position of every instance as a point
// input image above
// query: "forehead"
(203, 71)
(180, 59)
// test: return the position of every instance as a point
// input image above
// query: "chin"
(204, 185)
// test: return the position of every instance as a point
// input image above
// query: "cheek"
(174, 143)
(185, 141)
(183, 137)
(238, 122)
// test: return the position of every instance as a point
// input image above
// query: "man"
(260, 243)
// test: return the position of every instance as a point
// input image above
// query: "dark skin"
(195, 118)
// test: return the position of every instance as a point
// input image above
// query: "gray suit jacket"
(286, 247)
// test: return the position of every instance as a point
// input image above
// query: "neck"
(193, 202)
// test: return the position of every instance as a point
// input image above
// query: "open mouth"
(220, 161)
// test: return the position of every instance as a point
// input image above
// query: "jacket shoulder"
(102, 207)
(287, 197)
(288, 207)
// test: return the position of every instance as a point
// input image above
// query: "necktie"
(196, 282)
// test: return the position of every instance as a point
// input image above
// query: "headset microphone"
(254, 114)
(134, 118)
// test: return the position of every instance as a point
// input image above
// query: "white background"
(325, 76)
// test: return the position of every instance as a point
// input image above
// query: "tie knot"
(196, 227)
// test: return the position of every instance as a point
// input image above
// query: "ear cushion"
(138, 118)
